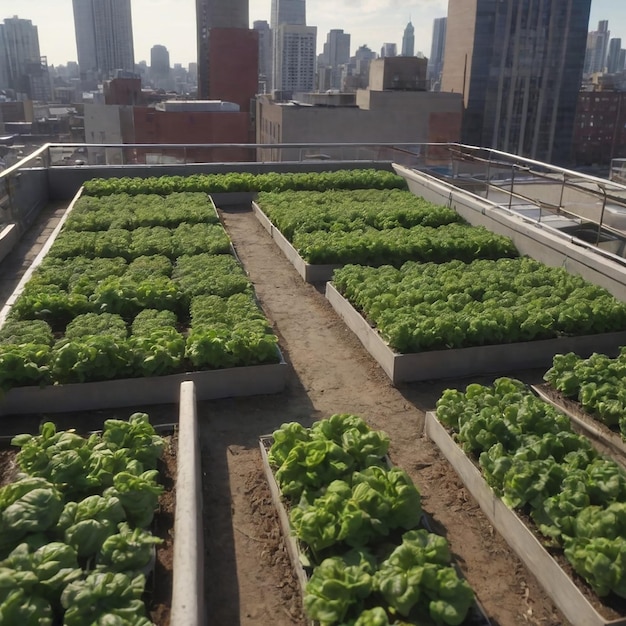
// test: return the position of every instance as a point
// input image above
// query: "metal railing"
(506, 179)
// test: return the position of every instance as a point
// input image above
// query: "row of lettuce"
(530, 456)
(359, 524)
(75, 539)
(428, 281)
(376, 227)
(127, 290)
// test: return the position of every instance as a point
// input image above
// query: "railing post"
(512, 184)
(603, 190)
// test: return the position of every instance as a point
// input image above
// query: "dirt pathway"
(249, 579)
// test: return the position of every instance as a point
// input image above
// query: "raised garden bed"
(544, 487)
(426, 305)
(560, 587)
(174, 582)
(309, 560)
(320, 232)
(103, 269)
(461, 362)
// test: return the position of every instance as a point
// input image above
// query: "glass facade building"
(519, 68)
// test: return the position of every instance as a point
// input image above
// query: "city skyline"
(172, 23)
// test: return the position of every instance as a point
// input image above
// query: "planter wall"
(593, 428)
(462, 362)
(310, 273)
(557, 584)
(210, 384)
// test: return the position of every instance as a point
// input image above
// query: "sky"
(171, 23)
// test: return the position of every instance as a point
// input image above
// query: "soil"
(248, 577)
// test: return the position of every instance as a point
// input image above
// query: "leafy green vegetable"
(337, 584)
(138, 494)
(30, 505)
(128, 550)
(418, 571)
(85, 525)
(105, 598)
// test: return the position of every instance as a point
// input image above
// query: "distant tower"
(228, 52)
(520, 92)
(215, 14)
(160, 67)
(408, 41)
(597, 45)
(389, 50)
(293, 49)
(437, 50)
(104, 37)
(288, 12)
(265, 54)
(613, 64)
(22, 68)
(335, 57)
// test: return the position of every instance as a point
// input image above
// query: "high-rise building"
(265, 54)
(294, 59)
(293, 48)
(518, 64)
(159, 59)
(160, 73)
(389, 50)
(614, 62)
(408, 41)
(22, 68)
(334, 58)
(227, 48)
(597, 44)
(288, 12)
(437, 50)
(104, 37)
(215, 14)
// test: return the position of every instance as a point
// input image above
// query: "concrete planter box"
(210, 385)
(593, 428)
(460, 362)
(310, 273)
(293, 549)
(476, 615)
(557, 584)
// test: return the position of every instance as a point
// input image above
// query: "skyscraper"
(104, 37)
(265, 54)
(597, 45)
(215, 14)
(437, 49)
(614, 63)
(518, 64)
(389, 50)
(334, 58)
(160, 67)
(294, 59)
(288, 12)
(294, 48)
(228, 52)
(22, 67)
(408, 41)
